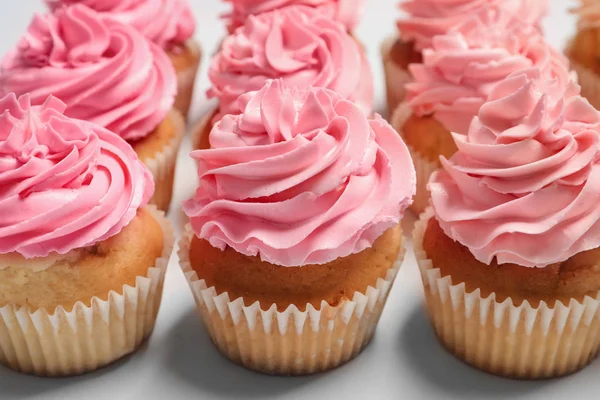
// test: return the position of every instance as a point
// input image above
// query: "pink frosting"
(64, 183)
(429, 18)
(459, 71)
(347, 12)
(106, 72)
(165, 22)
(296, 44)
(300, 177)
(524, 186)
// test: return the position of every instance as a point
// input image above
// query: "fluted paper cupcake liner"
(162, 165)
(395, 76)
(63, 343)
(424, 168)
(199, 130)
(186, 80)
(290, 342)
(518, 341)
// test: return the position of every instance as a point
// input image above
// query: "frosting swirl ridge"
(459, 71)
(64, 183)
(429, 18)
(106, 72)
(296, 44)
(524, 186)
(347, 12)
(165, 22)
(300, 177)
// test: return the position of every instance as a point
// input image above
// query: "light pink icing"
(167, 23)
(429, 18)
(296, 44)
(106, 72)
(524, 186)
(300, 177)
(64, 183)
(459, 71)
(347, 12)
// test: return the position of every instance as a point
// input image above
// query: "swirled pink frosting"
(429, 18)
(300, 177)
(524, 186)
(296, 44)
(347, 12)
(64, 183)
(459, 71)
(165, 22)
(106, 72)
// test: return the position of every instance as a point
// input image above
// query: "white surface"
(404, 361)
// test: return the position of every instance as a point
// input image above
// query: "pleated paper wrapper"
(517, 341)
(395, 76)
(424, 168)
(291, 342)
(186, 81)
(162, 165)
(65, 343)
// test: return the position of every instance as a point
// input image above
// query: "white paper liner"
(504, 339)
(424, 168)
(64, 343)
(291, 342)
(199, 129)
(162, 165)
(395, 76)
(186, 79)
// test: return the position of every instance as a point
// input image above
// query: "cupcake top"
(167, 23)
(588, 13)
(347, 12)
(106, 72)
(300, 177)
(429, 18)
(460, 69)
(64, 183)
(524, 186)
(296, 44)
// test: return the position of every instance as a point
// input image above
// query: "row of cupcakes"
(506, 151)
(294, 240)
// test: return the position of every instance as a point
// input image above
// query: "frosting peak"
(105, 71)
(165, 22)
(347, 12)
(524, 185)
(430, 18)
(296, 44)
(300, 177)
(460, 69)
(64, 183)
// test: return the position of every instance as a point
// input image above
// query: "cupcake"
(321, 54)
(295, 239)
(584, 50)
(426, 19)
(168, 23)
(346, 12)
(107, 73)
(509, 252)
(455, 78)
(82, 258)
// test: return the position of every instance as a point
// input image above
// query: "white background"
(404, 361)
